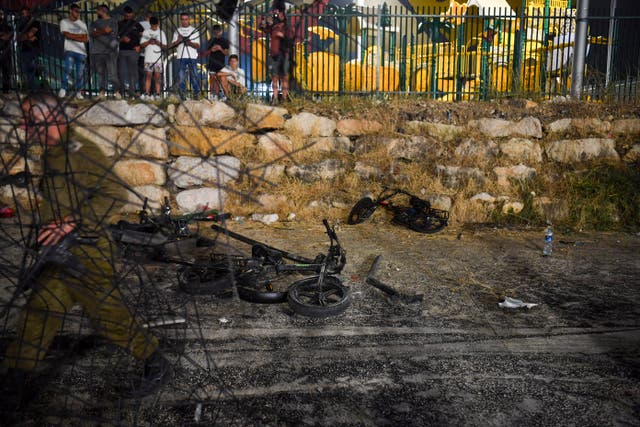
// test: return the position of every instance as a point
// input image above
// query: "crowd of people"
(128, 57)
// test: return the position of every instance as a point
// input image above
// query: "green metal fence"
(441, 54)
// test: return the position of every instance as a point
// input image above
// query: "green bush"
(604, 197)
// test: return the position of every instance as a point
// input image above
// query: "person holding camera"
(275, 24)
(217, 51)
(187, 41)
(129, 33)
(153, 41)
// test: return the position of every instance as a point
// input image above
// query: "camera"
(270, 20)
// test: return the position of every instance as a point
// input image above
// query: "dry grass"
(333, 199)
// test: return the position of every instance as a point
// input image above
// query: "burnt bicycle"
(416, 214)
(264, 276)
(164, 237)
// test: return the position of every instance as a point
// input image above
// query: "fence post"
(580, 48)
(461, 56)
(378, 48)
(433, 63)
(484, 61)
(521, 36)
(545, 47)
(612, 24)
(234, 33)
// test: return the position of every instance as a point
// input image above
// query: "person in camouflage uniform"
(79, 194)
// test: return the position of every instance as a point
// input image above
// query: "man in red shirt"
(279, 50)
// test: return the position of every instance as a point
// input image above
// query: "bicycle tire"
(205, 279)
(257, 296)
(303, 297)
(361, 211)
(256, 286)
(426, 224)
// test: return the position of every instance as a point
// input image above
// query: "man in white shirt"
(233, 77)
(152, 42)
(75, 36)
(187, 41)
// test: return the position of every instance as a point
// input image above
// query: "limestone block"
(521, 150)
(199, 198)
(357, 127)
(154, 194)
(307, 124)
(105, 137)
(440, 201)
(11, 108)
(484, 198)
(626, 126)
(275, 145)
(270, 173)
(140, 172)
(454, 176)
(440, 131)
(528, 127)
(12, 163)
(591, 125)
(191, 171)
(264, 117)
(171, 113)
(18, 197)
(518, 173)
(121, 113)
(202, 141)
(326, 170)
(366, 171)
(477, 150)
(10, 133)
(512, 207)
(580, 150)
(197, 113)
(633, 154)
(329, 143)
(559, 126)
(150, 142)
(411, 148)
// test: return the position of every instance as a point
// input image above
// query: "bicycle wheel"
(258, 296)
(205, 279)
(426, 224)
(257, 286)
(361, 211)
(305, 298)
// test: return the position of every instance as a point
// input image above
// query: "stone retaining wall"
(200, 153)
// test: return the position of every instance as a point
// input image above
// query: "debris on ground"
(515, 303)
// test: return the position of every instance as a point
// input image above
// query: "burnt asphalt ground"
(454, 359)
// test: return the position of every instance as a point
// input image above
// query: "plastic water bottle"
(548, 241)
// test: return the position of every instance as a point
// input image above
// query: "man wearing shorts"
(217, 51)
(153, 41)
(280, 64)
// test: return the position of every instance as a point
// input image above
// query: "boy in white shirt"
(75, 52)
(153, 41)
(233, 76)
(187, 41)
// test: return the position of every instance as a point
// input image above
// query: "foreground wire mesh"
(70, 324)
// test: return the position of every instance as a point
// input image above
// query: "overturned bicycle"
(311, 287)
